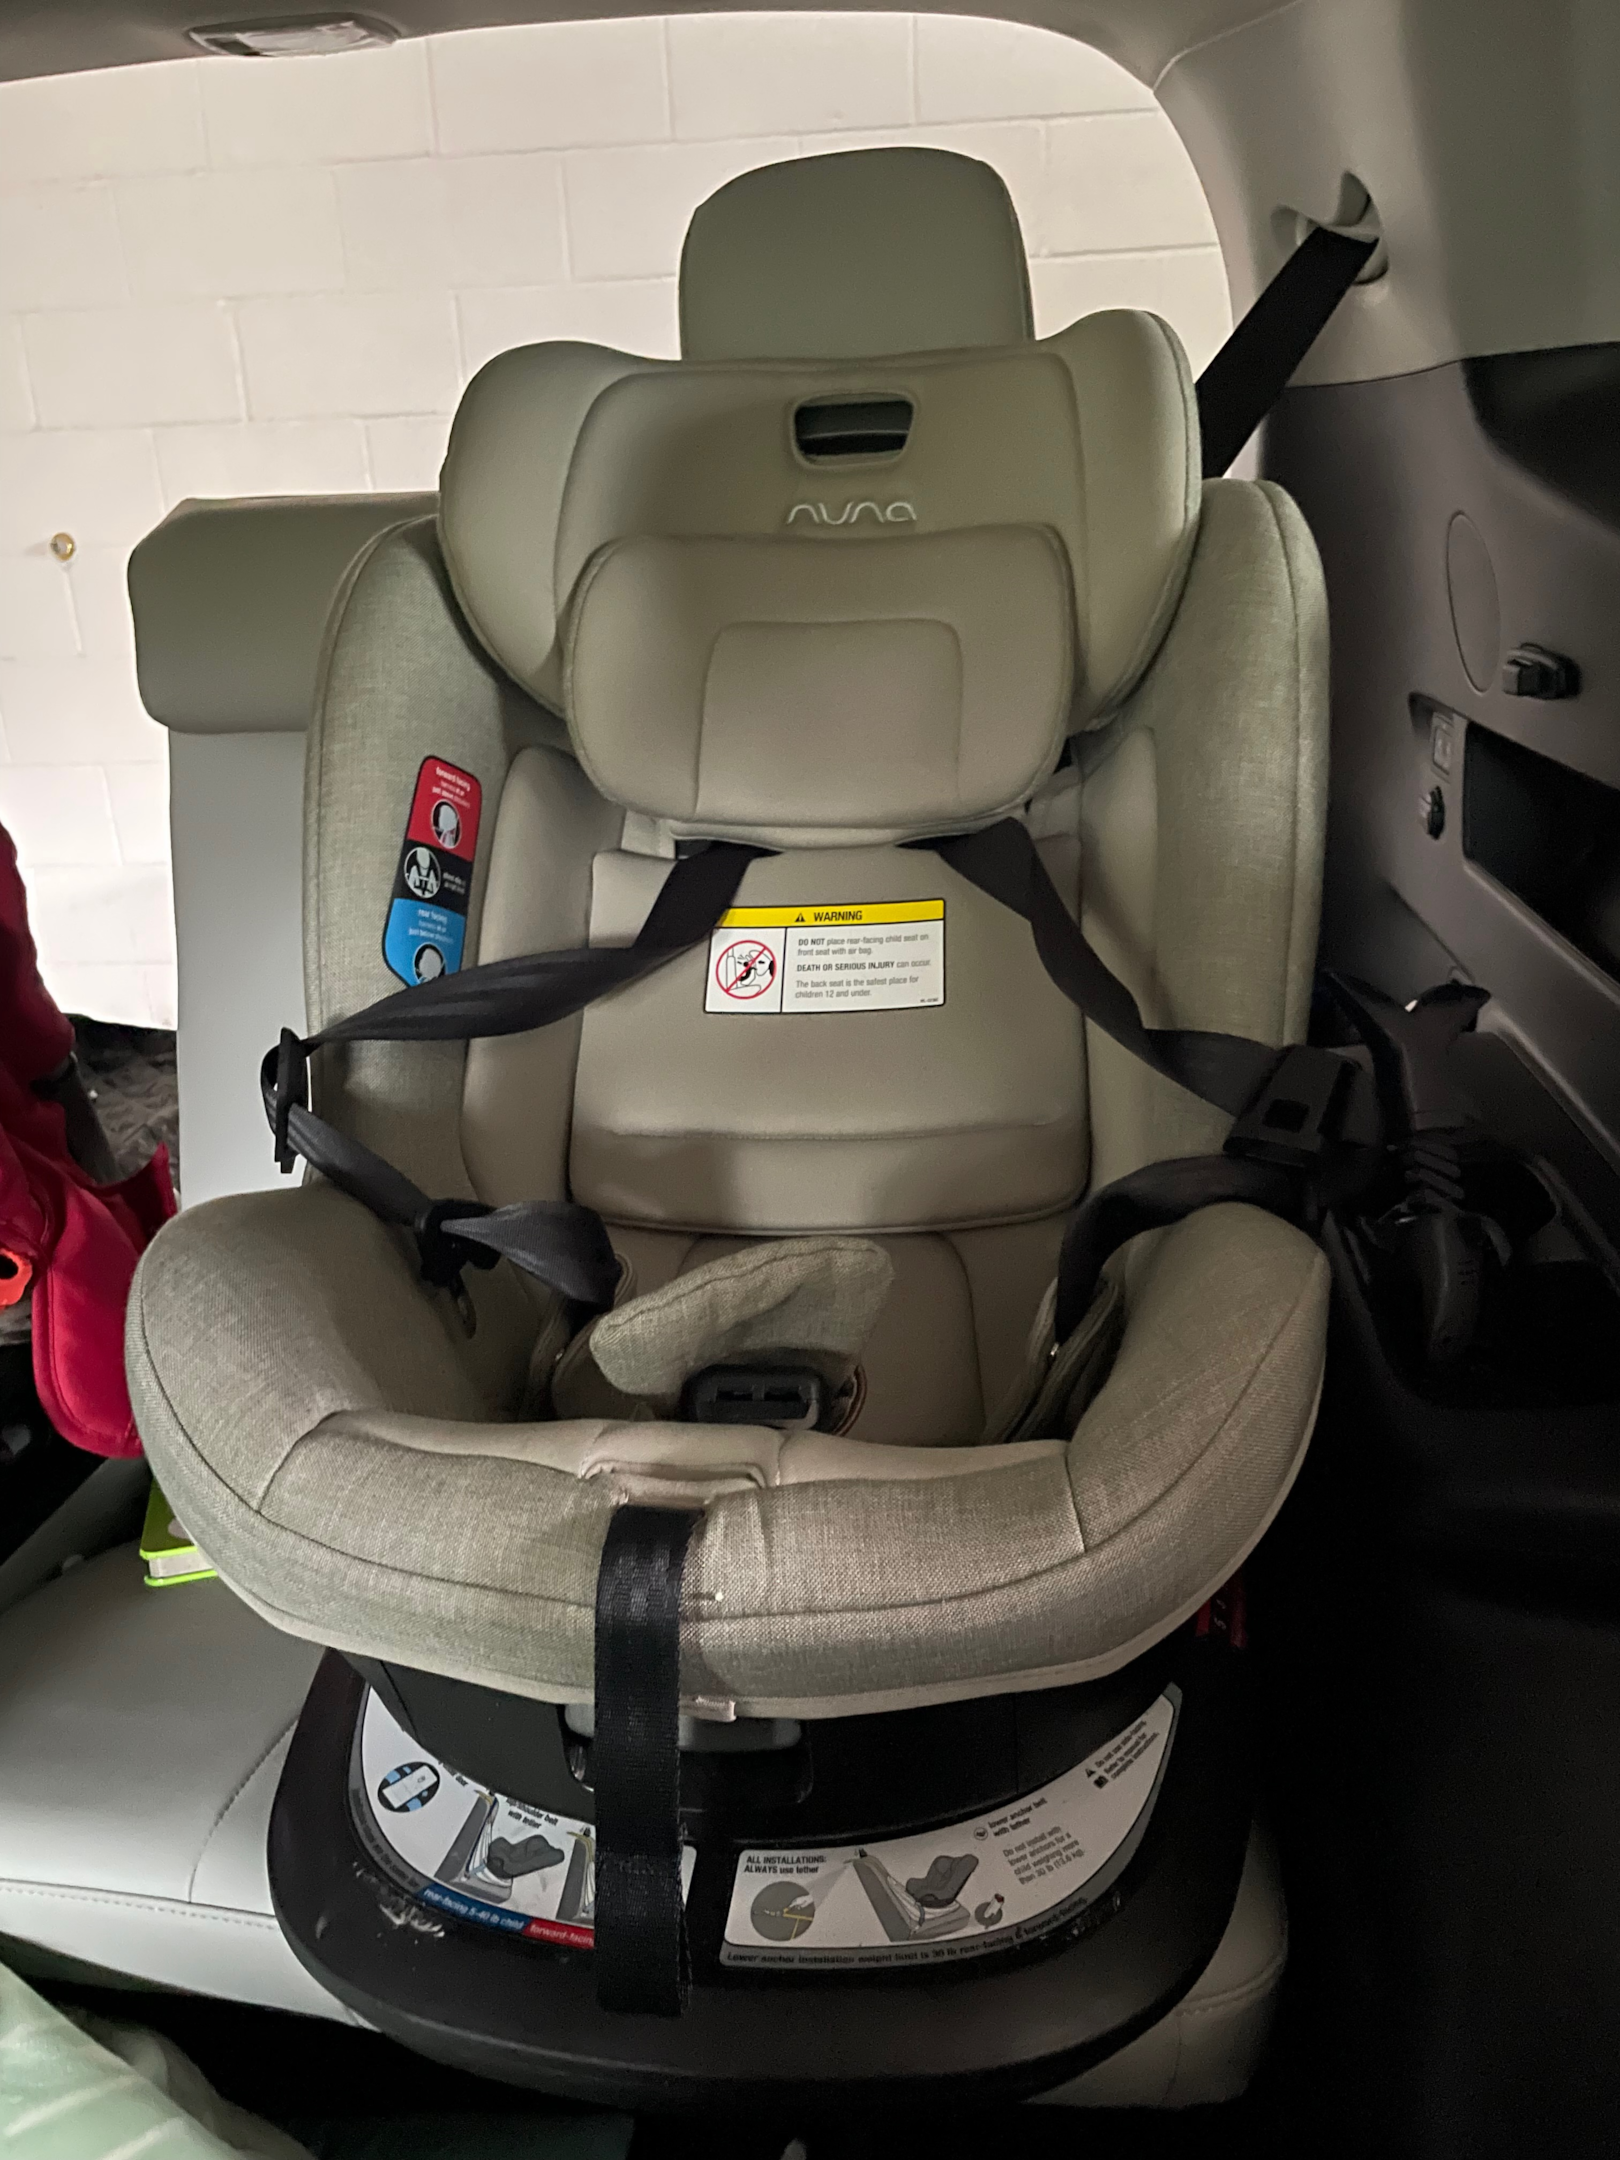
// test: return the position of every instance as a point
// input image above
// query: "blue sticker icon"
(423, 941)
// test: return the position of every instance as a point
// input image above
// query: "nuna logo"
(815, 513)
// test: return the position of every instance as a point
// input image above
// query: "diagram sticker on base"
(999, 1879)
(458, 1846)
(882, 956)
(426, 930)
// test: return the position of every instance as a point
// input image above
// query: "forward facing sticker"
(426, 930)
(1002, 1878)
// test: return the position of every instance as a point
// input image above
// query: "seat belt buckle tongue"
(292, 1093)
(1290, 1121)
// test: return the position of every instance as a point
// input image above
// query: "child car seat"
(777, 701)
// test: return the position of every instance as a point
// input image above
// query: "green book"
(168, 1549)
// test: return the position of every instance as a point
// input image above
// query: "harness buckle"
(1290, 1121)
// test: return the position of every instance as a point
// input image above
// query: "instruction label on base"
(1006, 1877)
(882, 956)
(469, 1851)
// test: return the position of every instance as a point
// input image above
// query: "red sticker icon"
(745, 970)
(444, 809)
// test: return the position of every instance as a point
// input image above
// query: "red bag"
(76, 1242)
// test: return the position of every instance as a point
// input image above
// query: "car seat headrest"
(826, 600)
(853, 256)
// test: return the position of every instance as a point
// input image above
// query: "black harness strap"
(1252, 369)
(561, 1244)
(1306, 1122)
(641, 1958)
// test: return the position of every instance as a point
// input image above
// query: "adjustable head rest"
(815, 601)
(854, 256)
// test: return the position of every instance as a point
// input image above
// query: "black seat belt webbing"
(508, 997)
(1004, 862)
(1306, 1121)
(641, 1956)
(561, 1244)
(1290, 1105)
(1148, 1199)
(1252, 369)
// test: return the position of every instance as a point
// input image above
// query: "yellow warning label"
(825, 912)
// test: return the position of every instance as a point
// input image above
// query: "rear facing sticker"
(1003, 1878)
(463, 1849)
(427, 916)
(826, 956)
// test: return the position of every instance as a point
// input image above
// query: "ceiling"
(1483, 131)
(57, 37)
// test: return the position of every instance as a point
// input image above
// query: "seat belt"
(1297, 1109)
(1298, 1112)
(562, 1245)
(1253, 368)
(1308, 1123)
(640, 1918)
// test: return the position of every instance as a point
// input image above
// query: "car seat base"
(935, 1992)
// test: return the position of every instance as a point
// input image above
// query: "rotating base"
(868, 1967)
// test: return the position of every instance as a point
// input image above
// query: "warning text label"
(864, 956)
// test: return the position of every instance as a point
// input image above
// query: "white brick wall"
(226, 277)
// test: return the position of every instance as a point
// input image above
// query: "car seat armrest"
(1216, 1381)
(231, 1285)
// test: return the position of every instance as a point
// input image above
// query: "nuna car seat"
(797, 1604)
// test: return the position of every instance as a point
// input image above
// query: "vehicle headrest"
(852, 256)
(231, 601)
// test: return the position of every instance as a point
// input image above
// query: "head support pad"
(852, 256)
(561, 455)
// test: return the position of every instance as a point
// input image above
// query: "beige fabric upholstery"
(377, 1487)
(1040, 556)
(970, 1111)
(813, 1301)
(141, 1741)
(1203, 817)
(774, 691)
(388, 1504)
(862, 252)
(231, 602)
(559, 451)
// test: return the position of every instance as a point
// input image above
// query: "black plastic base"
(1005, 2024)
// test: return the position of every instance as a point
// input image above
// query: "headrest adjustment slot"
(851, 427)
